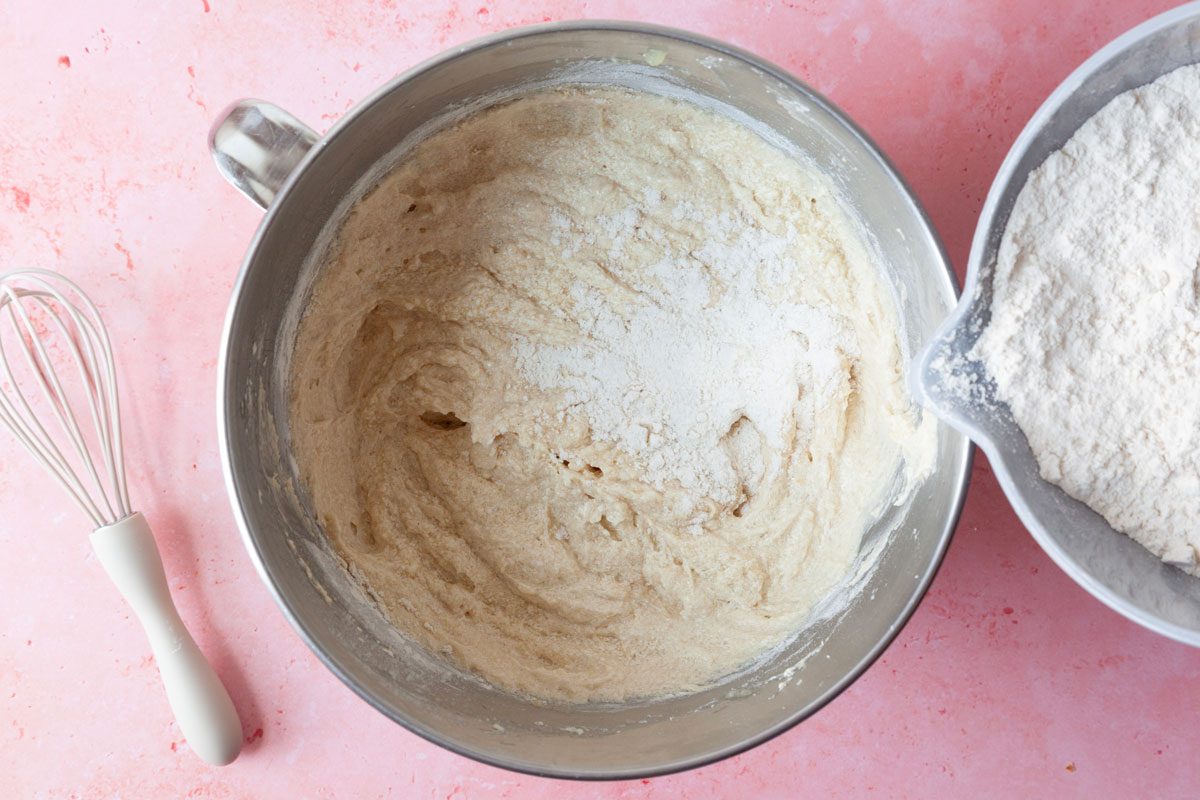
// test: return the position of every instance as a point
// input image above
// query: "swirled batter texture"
(597, 392)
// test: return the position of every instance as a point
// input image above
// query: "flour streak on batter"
(597, 393)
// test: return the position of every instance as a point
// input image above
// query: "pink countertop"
(1009, 681)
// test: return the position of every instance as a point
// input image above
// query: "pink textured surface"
(1009, 681)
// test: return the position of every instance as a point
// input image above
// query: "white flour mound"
(1094, 340)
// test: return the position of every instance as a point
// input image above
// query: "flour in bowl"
(694, 372)
(1094, 340)
(598, 392)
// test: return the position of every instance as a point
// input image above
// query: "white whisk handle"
(202, 707)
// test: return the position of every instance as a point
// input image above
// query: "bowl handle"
(257, 145)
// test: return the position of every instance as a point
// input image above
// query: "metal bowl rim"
(226, 399)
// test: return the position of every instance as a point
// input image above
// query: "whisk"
(48, 318)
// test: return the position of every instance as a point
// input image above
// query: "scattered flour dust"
(1094, 340)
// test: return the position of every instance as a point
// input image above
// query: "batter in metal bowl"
(597, 392)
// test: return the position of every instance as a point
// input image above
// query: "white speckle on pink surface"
(860, 37)
(1008, 675)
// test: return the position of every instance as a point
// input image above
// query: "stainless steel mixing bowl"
(305, 183)
(1111, 566)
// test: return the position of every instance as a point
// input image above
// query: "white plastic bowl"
(1111, 566)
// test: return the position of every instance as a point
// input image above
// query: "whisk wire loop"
(76, 323)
